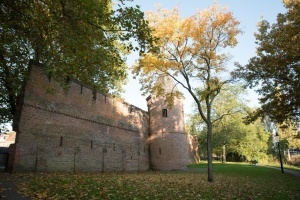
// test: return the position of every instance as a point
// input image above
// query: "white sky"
(249, 13)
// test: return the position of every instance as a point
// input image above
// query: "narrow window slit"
(61, 141)
(164, 112)
(68, 80)
(81, 89)
(49, 76)
(94, 94)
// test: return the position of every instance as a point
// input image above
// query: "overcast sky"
(249, 13)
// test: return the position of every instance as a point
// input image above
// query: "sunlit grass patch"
(232, 181)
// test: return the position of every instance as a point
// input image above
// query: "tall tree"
(275, 70)
(230, 134)
(83, 39)
(189, 51)
(229, 106)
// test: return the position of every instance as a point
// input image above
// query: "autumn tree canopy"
(275, 71)
(83, 39)
(191, 51)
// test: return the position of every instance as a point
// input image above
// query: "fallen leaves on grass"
(159, 185)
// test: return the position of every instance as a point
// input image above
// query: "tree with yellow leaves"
(191, 51)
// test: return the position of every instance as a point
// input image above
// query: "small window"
(94, 94)
(49, 77)
(164, 113)
(81, 89)
(68, 80)
(61, 141)
(131, 109)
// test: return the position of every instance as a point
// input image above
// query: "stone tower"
(168, 138)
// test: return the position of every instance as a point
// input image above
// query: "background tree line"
(233, 140)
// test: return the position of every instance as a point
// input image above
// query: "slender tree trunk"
(224, 154)
(209, 153)
(288, 154)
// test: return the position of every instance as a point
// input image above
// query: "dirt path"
(290, 171)
(9, 188)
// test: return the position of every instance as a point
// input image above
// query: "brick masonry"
(81, 130)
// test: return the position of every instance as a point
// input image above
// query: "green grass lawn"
(232, 181)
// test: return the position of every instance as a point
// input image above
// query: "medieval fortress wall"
(80, 130)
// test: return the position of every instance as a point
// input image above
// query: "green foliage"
(288, 136)
(83, 39)
(234, 181)
(275, 70)
(248, 141)
(254, 143)
(230, 133)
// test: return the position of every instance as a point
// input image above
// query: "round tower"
(168, 140)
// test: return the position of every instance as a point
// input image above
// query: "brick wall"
(77, 129)
(193, 149)
(168, 141)
(81, 130)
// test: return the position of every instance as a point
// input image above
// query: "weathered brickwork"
(80, 130)
(168, 140)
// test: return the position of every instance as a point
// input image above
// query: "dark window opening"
(95, 94)
(68, 80)
(114, 146)
(61, 141)
(164, 112)
(131, 109)
(49, 76)
(81, 89)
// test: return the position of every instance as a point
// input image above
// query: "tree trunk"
(209, 153)
(224, 154)
(288, 154)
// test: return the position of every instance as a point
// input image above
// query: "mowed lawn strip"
(232, 181)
